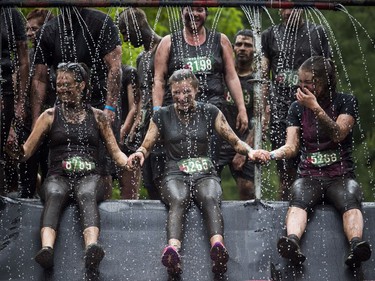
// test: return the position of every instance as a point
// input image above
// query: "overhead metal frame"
(321, 4)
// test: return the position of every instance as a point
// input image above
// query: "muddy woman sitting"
(74, 130)
(186, 127)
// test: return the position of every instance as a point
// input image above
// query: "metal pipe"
(321, 4)
(258, 108)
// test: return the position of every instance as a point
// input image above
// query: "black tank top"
(67, 141)
(206, 61)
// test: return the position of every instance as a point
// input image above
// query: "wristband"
(272, 156)
(156, 108)
(248, 147)
(141, 151)
(111, 108)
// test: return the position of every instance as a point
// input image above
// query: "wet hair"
(43, 15)
(183, 74)
(81, 73)
(323, 69)
(244, 32)
(127, 16)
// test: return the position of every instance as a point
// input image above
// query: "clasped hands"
(135, 161)
(259, 155)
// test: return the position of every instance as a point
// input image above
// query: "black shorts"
(344, 193)
(247, 171)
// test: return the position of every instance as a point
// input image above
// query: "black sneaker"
(289, 248)
(45, 257)
(359, 252)
(219, 255)
(171, 259)
(93, 256)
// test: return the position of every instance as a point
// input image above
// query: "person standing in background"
(135, 28)
(130, 98)
(241, 168)
(29, 179)
(13, 94)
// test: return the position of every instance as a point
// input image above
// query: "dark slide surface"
(133, 236)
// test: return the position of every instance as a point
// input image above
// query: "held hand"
(261, 155)
(306, 98)
(123, 161)
(242, 122)
(135, 160)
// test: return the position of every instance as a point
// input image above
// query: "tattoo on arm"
(329, 126)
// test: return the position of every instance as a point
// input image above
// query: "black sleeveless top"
(205, 60)
(186, 140)
(69, 141)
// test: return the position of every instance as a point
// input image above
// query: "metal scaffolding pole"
(321, 4)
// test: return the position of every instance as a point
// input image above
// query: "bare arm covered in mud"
(134, 108)
(336, 130)
(144, 150)
(114, 76)
(161, 69)
(225, 131)
(239, 160)
(40, 130)
(23, 74)
(109, 138)
(233, 83)
(38, 90)
(291, 147)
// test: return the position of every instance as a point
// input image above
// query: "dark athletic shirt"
(314, 140)
(129, 77)
(230, 109)
(12, 30)
(183, 141)
(67, 140)
(94, 36)
(286, 50)
(206, 62)
(230, 112)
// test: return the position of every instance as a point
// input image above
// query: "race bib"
(323, 158)
(77, 165)
(199, 64)
(195, 165)
(246, 98)
(287, 78)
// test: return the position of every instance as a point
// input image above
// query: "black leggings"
(56, 192)
(344, 193)
(177, 192)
